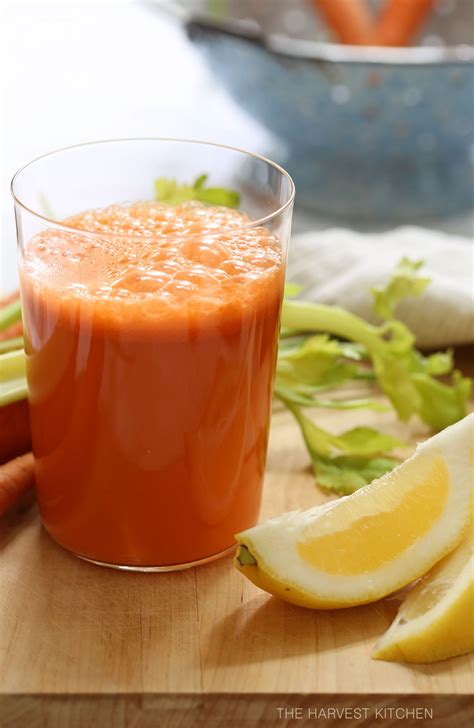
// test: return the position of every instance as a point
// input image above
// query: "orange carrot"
(399, 21)
(349, 19)
(15, 438)
(16, 478)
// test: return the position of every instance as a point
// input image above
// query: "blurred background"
(374, 137)
(85, 71)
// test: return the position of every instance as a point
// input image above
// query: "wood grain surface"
(82, 646)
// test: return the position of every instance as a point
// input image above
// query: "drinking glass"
(150, 357)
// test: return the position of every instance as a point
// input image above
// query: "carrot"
(16, 478)
(15, 437)
(349, 19)
(399, 21)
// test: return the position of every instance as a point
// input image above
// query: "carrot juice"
(151, 335)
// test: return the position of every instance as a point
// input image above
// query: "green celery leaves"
(169, 191)
(352, 349)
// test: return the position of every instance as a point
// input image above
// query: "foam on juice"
(196, 258)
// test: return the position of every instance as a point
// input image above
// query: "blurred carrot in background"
(16, 478)
(15, 436)
(399, 21)
(349, 19)
(5, 300)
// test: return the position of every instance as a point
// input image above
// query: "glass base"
(170, 567)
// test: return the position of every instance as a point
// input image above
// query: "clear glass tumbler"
(151, 334)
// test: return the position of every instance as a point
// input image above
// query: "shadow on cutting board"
(276, 630)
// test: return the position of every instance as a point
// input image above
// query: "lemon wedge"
(436, 620)
(359, 548)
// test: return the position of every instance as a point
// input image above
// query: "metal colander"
(379, 134)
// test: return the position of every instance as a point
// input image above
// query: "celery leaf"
(404, 282)
(173, 193)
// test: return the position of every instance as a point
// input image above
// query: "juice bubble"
(198, 258)
(207, 253)
(198, 276)
(235, 267)
(141, 281)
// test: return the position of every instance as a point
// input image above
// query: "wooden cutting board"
(82, 646)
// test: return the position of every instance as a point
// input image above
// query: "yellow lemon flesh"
(360, 548)
(436, 620)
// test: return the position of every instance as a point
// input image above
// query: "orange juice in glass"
(150, 336)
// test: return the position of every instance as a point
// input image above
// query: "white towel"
(341, 266)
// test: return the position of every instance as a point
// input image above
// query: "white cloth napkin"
(340, 267)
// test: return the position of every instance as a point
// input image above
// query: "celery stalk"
(12, 365)
(13, 391)
(303, 316)
(10, 315)
(11, 344)
(12, 377)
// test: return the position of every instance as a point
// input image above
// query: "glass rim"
(101, 234)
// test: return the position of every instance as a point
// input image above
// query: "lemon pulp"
(378, 531)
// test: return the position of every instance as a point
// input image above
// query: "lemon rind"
(445, 630)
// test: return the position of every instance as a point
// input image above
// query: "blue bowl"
(379, 134)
